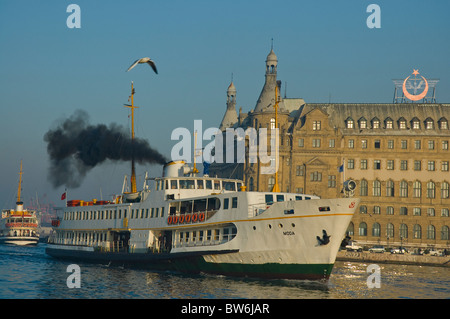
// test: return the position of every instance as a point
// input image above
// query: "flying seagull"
(144, 60)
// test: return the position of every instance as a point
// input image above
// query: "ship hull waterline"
(194, 263)
(19, 241)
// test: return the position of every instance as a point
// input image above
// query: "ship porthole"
(254, 227)
(270, 226)
(280, 225)
(293, 225)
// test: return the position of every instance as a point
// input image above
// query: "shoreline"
(388, 258)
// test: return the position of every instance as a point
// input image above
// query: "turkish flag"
(63, 196)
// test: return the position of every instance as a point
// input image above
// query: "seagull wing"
(133, 65)
(152, 64)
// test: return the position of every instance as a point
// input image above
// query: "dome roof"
(232, 88)
(272, 56)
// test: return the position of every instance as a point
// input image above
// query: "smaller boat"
(19, 226)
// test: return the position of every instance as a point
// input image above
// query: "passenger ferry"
(19, 226)
(190, 223)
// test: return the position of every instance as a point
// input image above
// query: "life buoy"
(181, 219)
(201, 217)
(188, 219)
(194, 217)
(175, 220)
(169, 220)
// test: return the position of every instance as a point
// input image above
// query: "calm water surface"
(28, 273)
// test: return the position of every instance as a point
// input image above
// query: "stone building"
(398, 155)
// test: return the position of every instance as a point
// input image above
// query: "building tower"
(266, 100)
(230, 118)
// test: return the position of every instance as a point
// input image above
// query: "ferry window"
(226, 234)
(200, 205)
(234, 203)
(298, 198)
(162, 211)
(181, 237)
(157, 212)
(280, 198)
(226, 202)
(306, 197)
(120, 214)
(208, 184)
(142, 213)
(239, 185)
(213, 204)
(269, 199)
(132, 213)
(200, 235)
(187, 236)
(146, 213)
(152, 214)
(199, 184)
(217, 185)
(173, 184)
(167, 184)
(216, 234)
(229, 186)
(194, 235)
(190, 184)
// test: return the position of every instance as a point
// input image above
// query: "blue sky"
(324, 48)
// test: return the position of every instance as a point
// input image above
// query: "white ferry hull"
(19, 241)
(282, 242)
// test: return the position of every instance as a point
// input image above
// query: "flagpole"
(65, 192)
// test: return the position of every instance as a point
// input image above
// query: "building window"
(363, 209)
(445, 190)
(444, 166)
(377, 144)
(431, 145)
(316, 125)
(444, 232)
(417, 189)
(429, 124)
(403, 189)
(417, 232)
(377, 164)
(376, 188)
(431, 232)
(300, 170)
(351, 164)
(404, 144)
(351, 143)
(363, 189)
(416, 124)
(362, 123)
(404, 165)
(431, 165)
(389, 123)
(389, 230)
(390, 164)
(272, 123)
(376, 230)
(362, 229)
(402, 124)
(417, 211)
(271, 183)
(390, 144)
(417, 144)
(331, 143)
(375, 123)
(301, 142)
(363, 164)
(350, 123)
(331, 181)
(363, 143)
(377, 210)
(417, 165)
(431, 190)
(316, 177)
(444, 212)
(403, 211)
(445, 145)
(390, 188)
(403, 231)
(443, 124)
(430, 211)
(316, 142)
(389, 210)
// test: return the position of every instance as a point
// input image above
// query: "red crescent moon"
(413, 97)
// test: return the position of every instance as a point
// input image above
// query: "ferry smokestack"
(75, 147)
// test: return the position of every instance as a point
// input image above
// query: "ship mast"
(133, 171)
(19, 203)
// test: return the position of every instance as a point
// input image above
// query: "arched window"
(444, 190)
(417, 231)
(363, 229)
(403, 189)
(445, 233)
(376, 230)
(431, 232)
(376, 188)
(417, 189)
(271, 183)
(390, 188)
(403, 231)
(390, 230)
(363, 190)
(431, 190)
(350, 229)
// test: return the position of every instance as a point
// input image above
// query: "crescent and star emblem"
(417, 97)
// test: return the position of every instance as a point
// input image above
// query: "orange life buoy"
(188, 218)
(201, 217)
(181, 219)
(194, 217)
(169, 220)
(175, 220)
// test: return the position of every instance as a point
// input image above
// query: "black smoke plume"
(75, 147)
